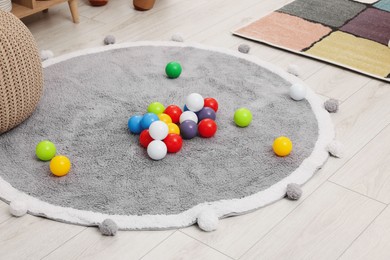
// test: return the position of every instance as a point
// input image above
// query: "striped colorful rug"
(351, 34)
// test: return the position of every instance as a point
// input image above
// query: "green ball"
(242, 117)
(45, 150)
(156, 108)
(173, 69)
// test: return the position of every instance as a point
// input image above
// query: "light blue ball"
(148, 119)
(134, 124)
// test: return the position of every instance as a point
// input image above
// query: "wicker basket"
(21, 81)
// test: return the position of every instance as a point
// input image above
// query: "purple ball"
(206, 112)
(188, 129)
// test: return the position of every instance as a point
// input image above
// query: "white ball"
(188, 115)
(18, 208)
(158, 130)
(194, 102)
(297, 92)
(157, 150)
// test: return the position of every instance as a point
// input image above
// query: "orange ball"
(282, 146)
(60, 165)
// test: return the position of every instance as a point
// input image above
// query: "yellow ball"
(60, 165)
(173, 129)
(165, 118)
(282, 146)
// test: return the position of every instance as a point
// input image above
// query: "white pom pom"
(46, 54)
(18, 208)
(336, 149)
(177, 37)
(388, 44)
(208, 220)
(294, 70)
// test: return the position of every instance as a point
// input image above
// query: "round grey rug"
(90, 95)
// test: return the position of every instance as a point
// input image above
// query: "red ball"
(174, 112)
(174, 143)
(207, 128)
(145, 139)
(212, 103)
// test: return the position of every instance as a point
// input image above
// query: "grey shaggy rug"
(84, 110)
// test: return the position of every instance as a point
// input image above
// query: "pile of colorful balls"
(162, 130)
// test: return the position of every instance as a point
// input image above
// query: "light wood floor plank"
(336, 83)
(363, 116)
(322, 227)
(369, 171)
(374, 243)
(236, 235)
(90, 244)
(30, 237)
(180, 246)
(4, 212)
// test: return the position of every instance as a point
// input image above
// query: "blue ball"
(134, 124)
(185, 108)
(148, 119)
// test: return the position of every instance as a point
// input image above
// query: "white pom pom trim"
(18, 208)
(177, 37)
(336, 149)
(294, 69)
(208, 220)
(46, 54)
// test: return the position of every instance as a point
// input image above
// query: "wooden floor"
(344, 210)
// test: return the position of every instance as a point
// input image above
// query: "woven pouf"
(21, 81)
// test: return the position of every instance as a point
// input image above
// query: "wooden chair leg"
(74, 11)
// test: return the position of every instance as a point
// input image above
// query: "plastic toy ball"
(207, 128)
(297, 92)
(211, 102)
(145, 139)
(242, 117)
(134, 124)
(158, 130)
(156, 108)
(45, 150)
(282, 146)
(157, 150)
(174, 112)
(173, 142)
(188, 129)
(60, 165)
(148, 119)
(206, 112)
(188, 115)
(173, 69)
(194, 102)
(165, 118)
(173, 129)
